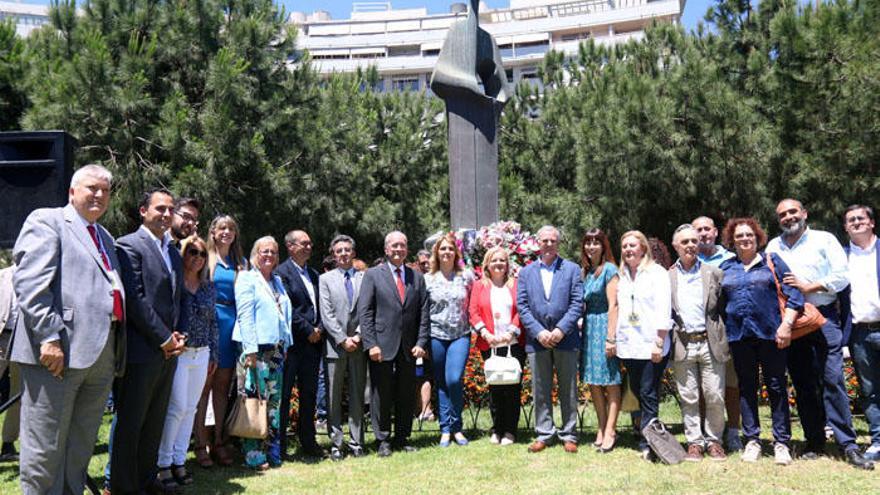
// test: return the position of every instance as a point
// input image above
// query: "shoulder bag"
(249, 417)
(808, 321)
(502, 370)
(662, 443)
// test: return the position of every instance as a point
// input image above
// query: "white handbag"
(502, 370)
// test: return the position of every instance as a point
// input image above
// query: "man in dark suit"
(152, 272)
(394, 318)
(304, 357)
(68, 334)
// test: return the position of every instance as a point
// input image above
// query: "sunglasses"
(196, 252)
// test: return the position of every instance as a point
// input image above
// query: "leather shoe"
(358, 452)
(336, 455)
(384, 449)
(537, 446)
(856, 459)
(570, 447)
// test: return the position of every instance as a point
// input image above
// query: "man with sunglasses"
(863, 318)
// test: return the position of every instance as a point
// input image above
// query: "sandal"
(181, 475)
(166, 479)
(203, 458)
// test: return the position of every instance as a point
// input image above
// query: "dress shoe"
(384, 449)
(181, 475)
(313, 451)
(716, 452)
(537, 446)
(694, 453)
(570, 447)
(336, 454)
(856, 459)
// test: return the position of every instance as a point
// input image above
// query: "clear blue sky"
(694, 10)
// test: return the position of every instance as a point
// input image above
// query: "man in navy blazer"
(861, 313)
(304, 357)
(152, 273)
(548, 298)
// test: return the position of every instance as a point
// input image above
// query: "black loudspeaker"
(35, 172)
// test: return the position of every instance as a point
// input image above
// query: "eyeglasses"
(856, 219)
(196, 252)
(744, 235)
(187, 217)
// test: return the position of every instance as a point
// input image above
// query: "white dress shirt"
(689, 293)
(865, 298)
(815, 257)
(162, 244)
(547, 272)
(307, 281)
(644, 307)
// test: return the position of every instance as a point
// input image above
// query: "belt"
(224, 302)
(688, 337)
(873, 326)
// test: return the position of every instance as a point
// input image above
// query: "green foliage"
(211, 99)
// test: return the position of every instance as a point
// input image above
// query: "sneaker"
(694, 453)
(716, 452)
(733, 440)
(781, 454)
(752, 452)
(507, 440)
(872, 453)
(494, 440)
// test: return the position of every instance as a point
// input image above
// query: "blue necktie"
(349, 288)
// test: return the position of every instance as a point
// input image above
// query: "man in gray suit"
(394, 319)
(699, 342)
(68, 338)
(344, 353)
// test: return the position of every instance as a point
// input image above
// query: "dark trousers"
(392, 389)
(815, 363)
(865, 348)
(300, 370)
(505, 400)
(644, 381)
(747, 355)
(141, 403)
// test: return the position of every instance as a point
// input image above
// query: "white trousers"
(189, 379)
(700, 371)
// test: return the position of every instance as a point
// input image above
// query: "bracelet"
(611, 341)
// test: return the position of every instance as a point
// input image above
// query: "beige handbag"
(249, 417)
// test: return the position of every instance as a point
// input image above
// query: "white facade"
(27, 16)
(403, 44)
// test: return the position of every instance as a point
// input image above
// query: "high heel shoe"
(606, 449)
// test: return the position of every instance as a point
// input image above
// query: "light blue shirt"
(547, 272)
(690, 298)
(816, 257)
(719, 256)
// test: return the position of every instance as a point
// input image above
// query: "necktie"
(401, 290)
(349, 288)
(117, 296)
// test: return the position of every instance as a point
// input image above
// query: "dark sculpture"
(469, 77)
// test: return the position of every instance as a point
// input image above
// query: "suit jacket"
(258, 320)
(154, 294)
(480, 311)
(338, 317)
(713, 304)
(386, 321)
(7, 296)
(844, 296)
(63, 288)
(562, 310)
(305, 316)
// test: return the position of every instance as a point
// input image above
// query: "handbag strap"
(493, 351)
(255, 378)
(780, 296)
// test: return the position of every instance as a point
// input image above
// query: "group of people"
(170, 321)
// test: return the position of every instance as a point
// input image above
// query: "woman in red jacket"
(493, 315)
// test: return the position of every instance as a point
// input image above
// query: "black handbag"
(662, 443)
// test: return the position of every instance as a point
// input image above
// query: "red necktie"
(401, 290)
(117, 296)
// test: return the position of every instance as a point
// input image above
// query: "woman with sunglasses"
(199, 325)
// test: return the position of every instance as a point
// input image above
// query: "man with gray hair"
(548, 298)
(339, 289)
(394, 319)
(69, 337)
(699, 345)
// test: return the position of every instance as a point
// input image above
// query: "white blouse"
(644, 307)
(502, 305)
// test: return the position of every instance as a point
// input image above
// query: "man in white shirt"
(864, 343)
(819, 271)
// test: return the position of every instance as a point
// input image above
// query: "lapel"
(297, 281)
(673, 285)
(391, 279)
(71, 218)
(153, 248)
(409, 280)
(355, 284)
(706, 278)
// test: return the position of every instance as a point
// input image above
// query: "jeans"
(699, 371)
(644, 381)
(189, 379)
(747, 355)
(815, 363)
(449, 358)
(865, 350)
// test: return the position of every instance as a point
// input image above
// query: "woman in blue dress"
(225, 261)
(598, 370)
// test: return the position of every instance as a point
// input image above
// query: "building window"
(405, 84)
(431, 53)
(537, 48)
(506, 51)
(404, 51)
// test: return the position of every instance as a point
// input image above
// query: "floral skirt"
(267, 375)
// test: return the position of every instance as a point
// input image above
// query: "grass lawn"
(485, 468)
